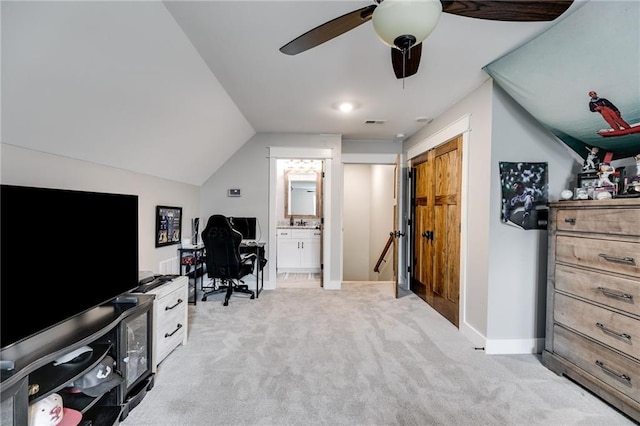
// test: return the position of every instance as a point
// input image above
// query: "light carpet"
(357, 356)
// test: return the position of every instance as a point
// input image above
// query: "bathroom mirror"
(302, 194)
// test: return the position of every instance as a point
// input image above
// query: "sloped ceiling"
(114, 83)
(172, 89)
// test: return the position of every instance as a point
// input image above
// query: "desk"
(258, 248)
(192, 263)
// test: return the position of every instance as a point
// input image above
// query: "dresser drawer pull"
(608, 331)
(168, 308)
(571, 220)
(621, 377)
(613, 293)
(174, 331)
(623, 260)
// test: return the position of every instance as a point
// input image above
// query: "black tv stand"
(107, 329)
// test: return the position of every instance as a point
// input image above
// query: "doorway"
(299, 200)
(368, 218)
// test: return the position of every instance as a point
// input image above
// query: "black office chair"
(225, 265)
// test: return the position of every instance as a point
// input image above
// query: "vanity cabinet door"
(288, 254)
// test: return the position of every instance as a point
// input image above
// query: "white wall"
(32, 168)
(502, 307)
(356, 220)
(248, 169)
(381, 224)
(518, 258)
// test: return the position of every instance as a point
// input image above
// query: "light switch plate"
(235, 192)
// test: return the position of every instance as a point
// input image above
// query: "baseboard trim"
(332, 285)
(514, 346)
(502, 346)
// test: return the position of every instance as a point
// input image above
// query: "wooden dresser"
(593, 298)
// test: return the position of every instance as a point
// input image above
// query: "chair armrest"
(248, 258)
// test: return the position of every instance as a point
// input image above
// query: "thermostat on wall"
(233, 192)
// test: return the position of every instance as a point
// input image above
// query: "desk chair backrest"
(222, 245)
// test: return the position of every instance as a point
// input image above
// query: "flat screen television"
(245, 225)
(62, 253)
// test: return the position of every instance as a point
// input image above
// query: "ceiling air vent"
(375, 122)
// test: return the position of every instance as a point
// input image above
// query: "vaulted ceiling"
(172, 89)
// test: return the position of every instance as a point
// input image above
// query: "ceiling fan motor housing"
(398, 21)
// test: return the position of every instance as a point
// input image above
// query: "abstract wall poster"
(573, 81)
(525, 194)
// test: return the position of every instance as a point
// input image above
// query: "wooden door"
(436, 236)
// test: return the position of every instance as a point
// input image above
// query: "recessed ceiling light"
(346, 106)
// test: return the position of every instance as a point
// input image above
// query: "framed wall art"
(524, 194)
(168, 225)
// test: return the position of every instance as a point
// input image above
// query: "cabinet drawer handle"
(174, 331)
(622, 377)
(613, 293)
(168, 308)
(623, 260)
(609, 331)
(571, 220)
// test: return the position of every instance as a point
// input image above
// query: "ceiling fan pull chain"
(404, 65)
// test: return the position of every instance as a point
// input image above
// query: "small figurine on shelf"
(592, 162)
(605, 171)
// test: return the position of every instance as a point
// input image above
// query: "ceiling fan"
(404, 24)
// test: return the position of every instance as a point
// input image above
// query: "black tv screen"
(245, 225)
(62, 253)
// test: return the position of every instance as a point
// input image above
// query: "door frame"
(391, 159)
(282, 152)
(459, 127)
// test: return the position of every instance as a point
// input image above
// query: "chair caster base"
(204, 299)
(226, 303)
(252, 296)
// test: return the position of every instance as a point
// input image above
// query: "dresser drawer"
(172, 302)
(169, 336)
(616, 330)
(284, 233)
(610, 290)
(602, 221)
(606, 255)
(618, 371)
(301, 233)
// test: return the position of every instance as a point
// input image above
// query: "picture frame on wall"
(168, 225)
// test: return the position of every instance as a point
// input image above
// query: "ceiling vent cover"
(375, 121)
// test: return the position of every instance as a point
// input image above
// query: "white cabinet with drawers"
(298, 250)
(593, 298)
(170, 317)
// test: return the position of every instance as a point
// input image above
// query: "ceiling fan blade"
(508, 10)
(328, 30)
(408, 66)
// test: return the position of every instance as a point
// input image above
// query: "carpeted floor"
(357, 356)
(298, 280)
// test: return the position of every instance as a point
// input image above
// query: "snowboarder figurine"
(610, 113)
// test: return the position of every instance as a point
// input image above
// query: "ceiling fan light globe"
(396, 18)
